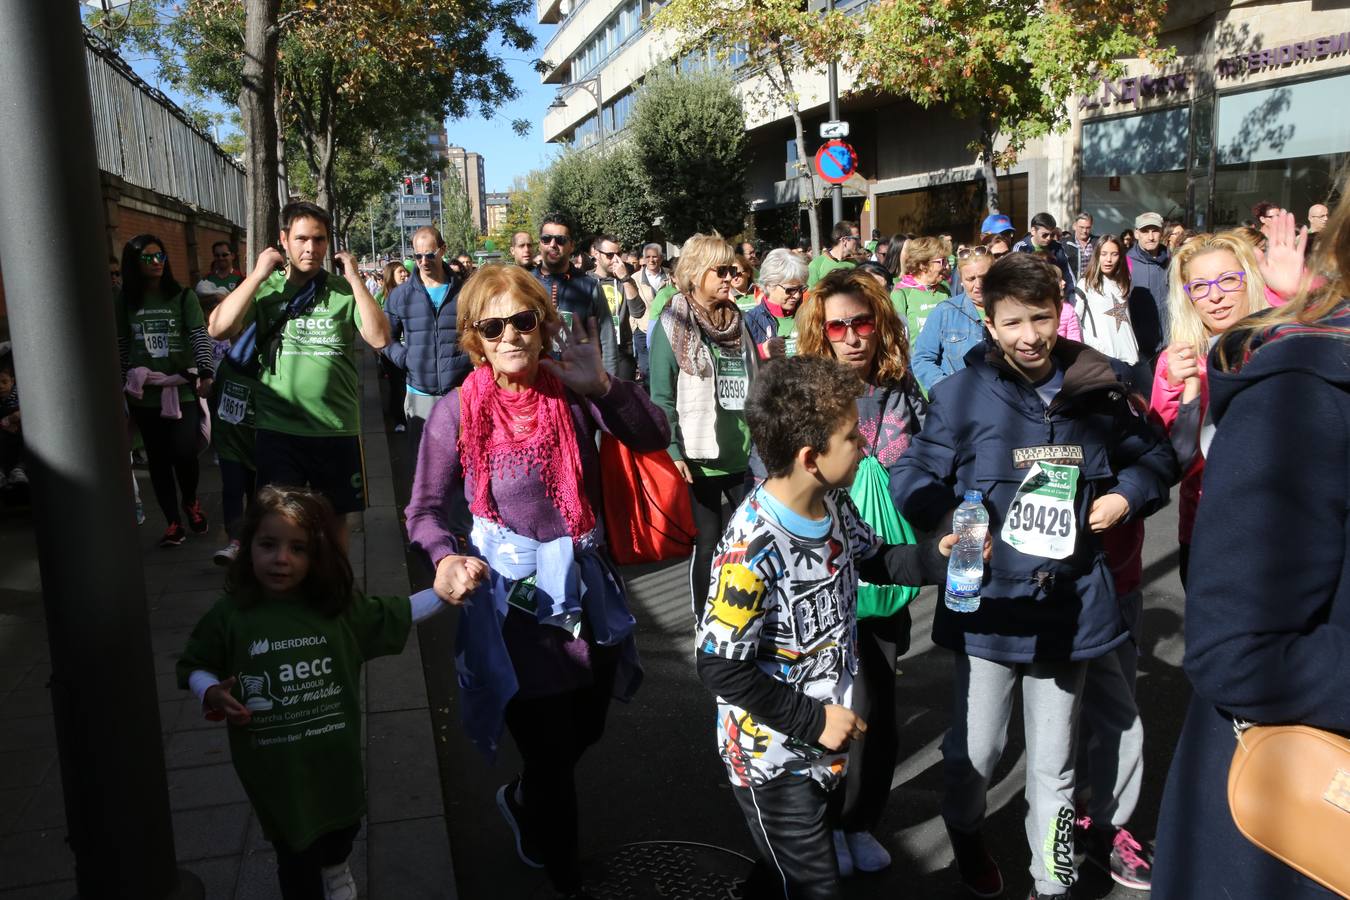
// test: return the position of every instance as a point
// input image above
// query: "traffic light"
(407, 187)
(426, 184)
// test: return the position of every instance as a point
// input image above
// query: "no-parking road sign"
(836, 162)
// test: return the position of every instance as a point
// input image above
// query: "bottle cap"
(974, 497)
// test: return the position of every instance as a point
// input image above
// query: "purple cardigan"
(525, 508)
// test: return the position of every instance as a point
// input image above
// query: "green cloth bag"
(871, 494)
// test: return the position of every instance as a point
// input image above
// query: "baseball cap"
(996, 224)
(1144, 220)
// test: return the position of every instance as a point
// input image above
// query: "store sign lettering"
(1263, 58)
(1133, 90)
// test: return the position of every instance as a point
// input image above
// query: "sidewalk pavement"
(403, 850)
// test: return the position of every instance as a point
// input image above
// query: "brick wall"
(172, 232)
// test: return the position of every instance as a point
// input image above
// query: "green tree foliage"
(1010, 66)
(526, 206)
(602, 193)
(690, 146)
(780, 41)
(458, 229)
(347, 69)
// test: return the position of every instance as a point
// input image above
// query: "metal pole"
(370, 211)
(837, 191)
(53, 242)
(402, 235)
(600, 115)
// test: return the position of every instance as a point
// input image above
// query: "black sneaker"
(979, 872)
(196, 518)
(174, 535)
(1128, 861)
(514, 814)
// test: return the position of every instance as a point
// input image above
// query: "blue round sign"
(836, 162)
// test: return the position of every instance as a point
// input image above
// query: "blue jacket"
(760, 323)
(1057, 256)
(424, 341)
(953, 329)
(1033, 608)
(580, 296)
(1148, 299)
(1268, 598)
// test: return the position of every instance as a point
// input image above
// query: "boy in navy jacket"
(1043, 428)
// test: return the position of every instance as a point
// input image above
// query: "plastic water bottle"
(965, 569)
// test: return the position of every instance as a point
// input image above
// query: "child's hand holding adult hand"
(842, 725)
(1107, 510)
(457, 577)
(220, 699)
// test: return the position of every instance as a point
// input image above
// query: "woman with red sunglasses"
(849, 317)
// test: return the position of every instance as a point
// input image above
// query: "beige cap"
(1144, 220)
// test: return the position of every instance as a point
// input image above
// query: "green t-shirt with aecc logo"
(311, 387)
(159, 338)
(787, 330)
(233, 415)
(299, 672)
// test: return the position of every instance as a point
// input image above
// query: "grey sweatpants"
(417, 409)
(1111, 734)
(1051, 693)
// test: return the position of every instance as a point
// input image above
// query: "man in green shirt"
(307, 410)
(845, 237)
(222, 278)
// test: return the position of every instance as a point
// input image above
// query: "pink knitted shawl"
(503, 431)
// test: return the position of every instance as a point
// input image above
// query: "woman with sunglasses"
(701, 358)
(957, 325)
(1213, 284)
(167, 370)
(848, 317)
(518, 441)
(743, 284)
(771, 324)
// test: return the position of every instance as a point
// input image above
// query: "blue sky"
(505, 155)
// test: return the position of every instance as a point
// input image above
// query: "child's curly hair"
(798, 402)
(329, 583)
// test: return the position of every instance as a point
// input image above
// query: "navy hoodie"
(1033, 608)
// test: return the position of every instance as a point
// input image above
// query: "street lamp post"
(592, 87)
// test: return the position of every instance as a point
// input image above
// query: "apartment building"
(1240, 115)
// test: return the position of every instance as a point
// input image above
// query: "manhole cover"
(669, 870)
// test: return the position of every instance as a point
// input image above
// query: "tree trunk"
(283, 171)
(806, 173)
(257, 110)
(987, 164)
(327, 155)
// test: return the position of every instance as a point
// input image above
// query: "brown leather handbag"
(1289, 793)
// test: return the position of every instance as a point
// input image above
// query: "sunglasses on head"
(554, 239)
(862, 326)
(427, 256)
(967, 252)
(152, 258)
(523, 322)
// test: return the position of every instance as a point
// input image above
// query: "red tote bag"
(647, 512)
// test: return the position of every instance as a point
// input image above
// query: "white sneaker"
(18, 476)
(842, 854)
(867, 852)
(338, 883)
(226, 555)
(400, 428)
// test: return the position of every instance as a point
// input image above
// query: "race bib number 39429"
(1042, 520)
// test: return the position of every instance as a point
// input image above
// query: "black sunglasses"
(725, 271)
(554, 239)
(427, 256)
(523, 322)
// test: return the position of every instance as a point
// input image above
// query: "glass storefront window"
(956, 209)
(1286, 144)
(1135, 164)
